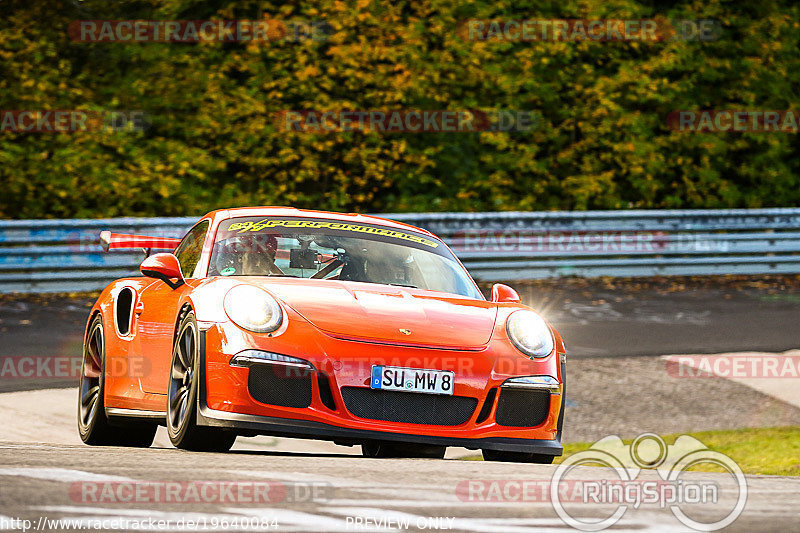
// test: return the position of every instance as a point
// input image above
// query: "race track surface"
(705, 316)
(618, 385)
(314, 492)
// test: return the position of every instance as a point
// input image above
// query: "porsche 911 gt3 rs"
(307, 324)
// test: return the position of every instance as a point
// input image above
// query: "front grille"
(280, 385)
(408, 407)
(522, 408)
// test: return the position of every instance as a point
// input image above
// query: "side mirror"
(504, 293)
(164, 267)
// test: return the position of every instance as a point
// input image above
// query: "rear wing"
(120, 241)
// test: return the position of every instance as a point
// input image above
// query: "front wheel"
(184, 380)
(517, 457)
(93, 426)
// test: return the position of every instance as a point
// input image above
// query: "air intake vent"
(522, 408)
(325, 394)
(123, 310)
(487, 405)
(280, 385)
(408, 407)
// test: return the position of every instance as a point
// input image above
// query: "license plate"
(412, 379)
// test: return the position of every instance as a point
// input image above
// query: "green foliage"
(601, 143)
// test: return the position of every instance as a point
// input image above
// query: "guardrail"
(65, 255)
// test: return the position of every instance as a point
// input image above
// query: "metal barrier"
(64, 255)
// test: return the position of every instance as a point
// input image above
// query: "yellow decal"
(242, 227)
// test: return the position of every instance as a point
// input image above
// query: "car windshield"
(330, 249)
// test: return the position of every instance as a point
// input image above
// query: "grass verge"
(759, 451)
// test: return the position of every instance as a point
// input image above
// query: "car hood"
(384, 313)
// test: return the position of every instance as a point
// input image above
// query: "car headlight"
(529, 333)
(252, 309)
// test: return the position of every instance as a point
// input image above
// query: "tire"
(517, 457)
(398, 450)
(93, 425)
(184, 378)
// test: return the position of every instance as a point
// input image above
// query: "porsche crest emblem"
(405, 331)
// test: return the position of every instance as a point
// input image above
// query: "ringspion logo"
(649, 452)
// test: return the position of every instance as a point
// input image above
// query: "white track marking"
(12, 446)
(60, 474)
(108, 511)
(300, 477)
(420, 492)
(431, 503)
(648, 522)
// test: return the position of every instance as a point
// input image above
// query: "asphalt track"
(712, 317)
(328, 488)
(314, 492)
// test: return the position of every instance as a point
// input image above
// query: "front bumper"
(304, 429)
(224, 399)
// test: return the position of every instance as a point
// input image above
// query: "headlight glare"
(253, 309)
(529, 333)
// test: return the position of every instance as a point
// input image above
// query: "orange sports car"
(306, 324)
